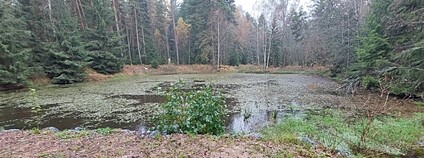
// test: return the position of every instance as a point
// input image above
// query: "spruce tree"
(103, 45)
(14, 48)
(146, 24)
(67, 56)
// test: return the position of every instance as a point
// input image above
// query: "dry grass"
(167, 69)
(92, 75)
(40, 80)
(119, 144)
(131, 70)
(396, 106)
(286, 69)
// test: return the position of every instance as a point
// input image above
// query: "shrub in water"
(194, 112)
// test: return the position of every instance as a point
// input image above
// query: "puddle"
(252, 117)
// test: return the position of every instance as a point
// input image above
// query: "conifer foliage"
(14, 49)
(67, 56)
(392, 48)
(103, 46)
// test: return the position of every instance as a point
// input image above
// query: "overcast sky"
(248, 5)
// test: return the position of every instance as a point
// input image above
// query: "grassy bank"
(387, 135)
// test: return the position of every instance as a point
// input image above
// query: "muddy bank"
(255, 100)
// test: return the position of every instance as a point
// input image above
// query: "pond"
(255, 100)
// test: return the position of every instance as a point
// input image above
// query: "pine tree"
(14, 50)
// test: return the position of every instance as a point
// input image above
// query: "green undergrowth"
(419, 103)
(333, 129)
(197, 111)
(105, 131)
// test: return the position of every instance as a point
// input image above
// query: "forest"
(374, 43)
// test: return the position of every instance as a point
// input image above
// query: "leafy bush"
(193, 112)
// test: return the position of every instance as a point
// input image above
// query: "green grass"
(388, 135)
(418, 103)
(35, 130)
(105, 131)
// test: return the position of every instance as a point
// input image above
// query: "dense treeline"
(374, 43)
(391, 50)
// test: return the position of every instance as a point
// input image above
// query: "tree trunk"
(128, 41)
(77, 9)
(257, 46)
(116, 21)
(269, 50)
(167, 47)
(175, 30)
(219, 39)
(50, 16)
(264, 47)
(91, 3)
(137, 36)
(143, 40)
(189, 49)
